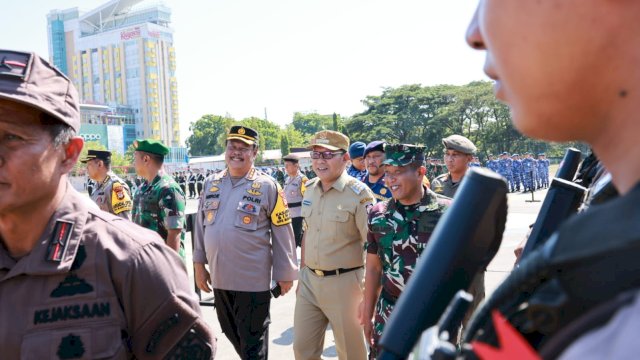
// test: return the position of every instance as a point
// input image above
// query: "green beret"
(151, 146)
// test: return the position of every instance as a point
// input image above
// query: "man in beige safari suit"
(331, 282)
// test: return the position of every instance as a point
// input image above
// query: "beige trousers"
(329, 300)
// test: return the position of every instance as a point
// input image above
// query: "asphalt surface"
(521, 214)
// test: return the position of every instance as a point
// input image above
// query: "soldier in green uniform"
(159, 203)
(458, 154)
(112, 194)
(398, 232)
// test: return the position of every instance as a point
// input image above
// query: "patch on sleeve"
(120, 199)
(280, 215)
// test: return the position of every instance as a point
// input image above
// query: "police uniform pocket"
(247, 215)
(209, 212)
(86, 342)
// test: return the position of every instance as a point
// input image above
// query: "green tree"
(208, 135)
(284, 145)
(311, 123)
(269, 132)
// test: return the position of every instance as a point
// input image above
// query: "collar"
(73, 209)
(252, 174)
(341, 182)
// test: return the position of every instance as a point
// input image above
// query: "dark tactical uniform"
(93, 285)
(398, 234)
(443, 185)
(114, 196)
(160, 206)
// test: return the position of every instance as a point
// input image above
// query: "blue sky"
(242, 56)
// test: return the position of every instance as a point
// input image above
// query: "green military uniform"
(398, 234)
(442, 185)
(160, 205)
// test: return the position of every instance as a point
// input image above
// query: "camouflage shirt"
(399, 233)
(160, 206)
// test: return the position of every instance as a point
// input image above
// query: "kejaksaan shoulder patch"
(280, 215)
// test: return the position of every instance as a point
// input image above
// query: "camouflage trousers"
(383, 311)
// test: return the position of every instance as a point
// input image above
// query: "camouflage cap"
(151, 146)
(244, 134)
(403, 154)
(28, 79)
(330, 139)
(459, 143)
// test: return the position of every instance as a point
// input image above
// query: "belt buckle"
(319, 272)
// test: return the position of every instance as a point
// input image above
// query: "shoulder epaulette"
(356, 186)
(311, 182)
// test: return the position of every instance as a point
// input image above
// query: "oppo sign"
(91, 137)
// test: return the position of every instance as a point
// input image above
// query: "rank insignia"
(15, 64)
(246, 219)
(59, 240)
(254, 192)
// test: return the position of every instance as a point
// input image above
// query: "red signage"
(130, 34)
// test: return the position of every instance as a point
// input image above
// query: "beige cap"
(28, 79)
(459, 143)
(331, 140)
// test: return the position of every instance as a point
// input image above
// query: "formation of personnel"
(528, 174)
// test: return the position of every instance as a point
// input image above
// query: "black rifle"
(569, 164)
(463, 243)
(563, 200)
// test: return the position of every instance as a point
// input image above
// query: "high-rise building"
(121, 54)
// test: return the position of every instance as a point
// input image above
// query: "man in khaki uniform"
(243, 233)
(112, 194)
(75, 281)
(331, 277)
(458, 153)
(294, 188)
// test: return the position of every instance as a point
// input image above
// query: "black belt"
(296, 204)
(323, 273)
(388, 297)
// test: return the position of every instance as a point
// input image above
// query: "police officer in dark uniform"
(75, 281)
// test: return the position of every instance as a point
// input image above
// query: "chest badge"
(254, 192)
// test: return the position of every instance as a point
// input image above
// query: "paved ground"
(521, 214)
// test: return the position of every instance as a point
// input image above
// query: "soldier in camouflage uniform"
(112, 194)
(398, 232)
(516, 171)
(159, 203)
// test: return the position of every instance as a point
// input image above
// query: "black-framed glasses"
(327, 155)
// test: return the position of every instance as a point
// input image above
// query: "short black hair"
(60, 132)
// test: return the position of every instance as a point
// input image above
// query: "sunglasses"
(325, 154)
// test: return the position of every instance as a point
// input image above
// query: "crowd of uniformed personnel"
(80, 280)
